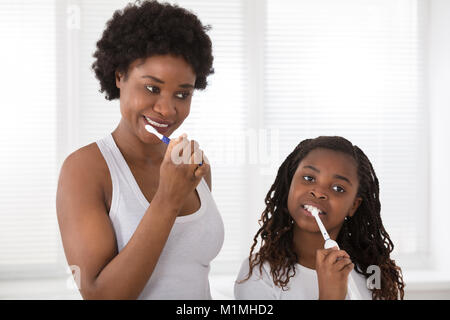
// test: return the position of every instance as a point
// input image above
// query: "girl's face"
(328, 180)
(160, 88)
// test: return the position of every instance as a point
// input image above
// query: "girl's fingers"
(342, 264)
(321, 254)
(349, 268)
(334, 255)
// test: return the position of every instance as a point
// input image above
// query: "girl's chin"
(306, 224)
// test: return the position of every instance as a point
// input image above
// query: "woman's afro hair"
(148, 28)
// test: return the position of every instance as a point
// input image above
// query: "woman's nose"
(165, 107)
(319, 195)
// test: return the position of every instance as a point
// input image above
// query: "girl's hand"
(180, 172)
(333, 267)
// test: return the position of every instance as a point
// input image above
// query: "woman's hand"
(180, 171)
(333, 267)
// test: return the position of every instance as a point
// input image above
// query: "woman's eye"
(153, 89)
(182, 95)
(308, 178)
(338, 189)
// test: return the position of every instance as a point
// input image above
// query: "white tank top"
(195, 239)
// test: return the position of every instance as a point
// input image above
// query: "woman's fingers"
(187, 152)
(202, 170)
(176, 147)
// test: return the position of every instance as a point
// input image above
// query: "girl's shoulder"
(261, 270)
(257, 285)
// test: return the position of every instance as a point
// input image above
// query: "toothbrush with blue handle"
(160, 136)
(353, 292)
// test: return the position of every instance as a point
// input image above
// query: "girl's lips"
(161, 130)
(306, 212)
(309, 214)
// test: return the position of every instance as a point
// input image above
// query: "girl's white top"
(302, 286)
(183, 267)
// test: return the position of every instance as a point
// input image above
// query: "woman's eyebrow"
(184, 85)
(153, 78)
(337, 176)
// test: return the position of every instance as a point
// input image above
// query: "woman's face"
(328, 180)
(159, 88)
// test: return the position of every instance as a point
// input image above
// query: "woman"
(138, 224)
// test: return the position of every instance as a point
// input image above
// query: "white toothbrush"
(162, 137)
(353, 292)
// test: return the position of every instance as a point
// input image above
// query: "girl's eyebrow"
(337, 176)
(184, 85)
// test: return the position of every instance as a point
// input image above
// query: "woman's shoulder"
(86, 161)
(87, 157)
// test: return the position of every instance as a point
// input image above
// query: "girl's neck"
(305, 246)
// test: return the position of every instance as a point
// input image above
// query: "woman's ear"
(355, 206)
(119, 78)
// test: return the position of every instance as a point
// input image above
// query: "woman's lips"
(161, 130)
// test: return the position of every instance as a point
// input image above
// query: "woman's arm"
(89, 240)
(88, 236)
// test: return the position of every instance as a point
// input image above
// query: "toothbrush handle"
(353, 292)
(165, 140)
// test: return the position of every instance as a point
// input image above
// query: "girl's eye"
(338, 189)
(153, 89)
(308, 178)
(182, 95)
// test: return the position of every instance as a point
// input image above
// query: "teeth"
(312, 209)
(156, 124)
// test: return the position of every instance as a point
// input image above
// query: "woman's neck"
(134, 151)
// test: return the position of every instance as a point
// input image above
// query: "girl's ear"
(355, 206)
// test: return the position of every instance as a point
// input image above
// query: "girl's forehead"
(331, 161)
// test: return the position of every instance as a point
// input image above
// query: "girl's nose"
(318, 195)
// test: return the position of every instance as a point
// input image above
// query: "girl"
(136, 223)
(336, 177)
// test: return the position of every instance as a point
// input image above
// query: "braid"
(363, 236)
